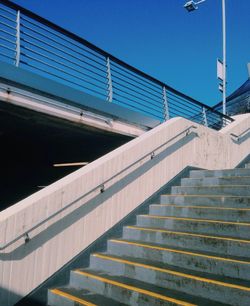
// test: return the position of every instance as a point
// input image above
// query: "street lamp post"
(192, 6)
(224, 54)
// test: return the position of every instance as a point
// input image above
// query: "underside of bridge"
(31, 143)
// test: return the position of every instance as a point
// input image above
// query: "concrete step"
(219, 173)
(234, 267)
(217, 244)
(224, 289)
(71, 297)
(213, 181)
(194, 225)
(204, 212)
(132, 292)
(234, 190)
(206, 200)
(192, 249)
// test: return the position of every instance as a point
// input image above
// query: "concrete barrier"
(132, 174)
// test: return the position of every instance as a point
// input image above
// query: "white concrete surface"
(24, 266)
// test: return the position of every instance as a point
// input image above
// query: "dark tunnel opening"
(31, 143)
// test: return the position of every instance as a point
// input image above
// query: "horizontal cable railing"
(36, 44)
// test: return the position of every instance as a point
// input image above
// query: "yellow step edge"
(187, 234)
(217, 186)
(204, 195)
(175, 273)
(202, 207)
(196, 220)
(72, 297)
(180, 251)
(136, 289)
(217, 177)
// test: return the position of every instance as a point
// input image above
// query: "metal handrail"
(101, 187)
(128, 85)
(238, 137)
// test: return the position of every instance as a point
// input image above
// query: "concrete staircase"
(191, 249)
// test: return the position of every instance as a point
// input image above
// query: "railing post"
(224, 122)
(204, 114)
(165, 103)
(17, 39)
(110, 87)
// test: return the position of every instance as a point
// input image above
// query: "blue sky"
(161, 38)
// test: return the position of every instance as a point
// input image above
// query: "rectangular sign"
(220, 69)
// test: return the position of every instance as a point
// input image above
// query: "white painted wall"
(24, 266)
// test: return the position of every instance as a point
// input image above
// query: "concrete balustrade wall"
(24, 266)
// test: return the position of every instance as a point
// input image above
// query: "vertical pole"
(110, 87)
(165, 104)
(204, 113)
(224, 54)
(17, 39)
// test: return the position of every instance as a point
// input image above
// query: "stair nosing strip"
(179, 251)
(195, 220)
(132, 288)
(204, 195)
(72, 297)
(176, 273)
(217, 177)
(211, 170)
(201, 207)
(187, 234)
(217, 186)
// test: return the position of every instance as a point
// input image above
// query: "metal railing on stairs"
(102, 187)
(38, 45)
